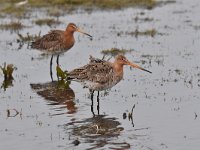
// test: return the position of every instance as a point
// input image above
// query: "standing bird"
(100, 75)
(57, 42)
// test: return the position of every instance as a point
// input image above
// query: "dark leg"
(51, 74)
(98, 102)
(92, 94)
(57, 60)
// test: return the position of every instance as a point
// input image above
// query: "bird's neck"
(69, 32)
(69, 35)
(118, 68)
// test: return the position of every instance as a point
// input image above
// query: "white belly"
(95, 86)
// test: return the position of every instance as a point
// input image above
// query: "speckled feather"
(97, 75)
(100, 74)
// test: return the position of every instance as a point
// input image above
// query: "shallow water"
(166, 113)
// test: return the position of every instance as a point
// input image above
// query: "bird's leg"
(57, 61)
(51, 74)
(98, 102)
(92, 95)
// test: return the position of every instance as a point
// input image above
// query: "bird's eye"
(74, 26)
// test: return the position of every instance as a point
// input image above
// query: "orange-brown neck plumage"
(118, 67)
(69, 39)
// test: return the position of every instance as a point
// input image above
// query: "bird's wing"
(51, 40)
(95, 60)
(94, 72)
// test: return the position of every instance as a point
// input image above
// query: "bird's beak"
(136, 66)
(79, 30)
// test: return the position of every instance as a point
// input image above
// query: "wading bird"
(100, 75)
(57, 42)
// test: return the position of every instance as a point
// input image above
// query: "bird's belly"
(100, 86)
(55, 51)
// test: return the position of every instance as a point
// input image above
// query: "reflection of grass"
(46, 21)
(115, 51)
(11, 26)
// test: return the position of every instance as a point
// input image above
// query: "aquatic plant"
(8, 77)
(8, 71)
(62, 77)
(28, 37)
(47, 21)
(115, 51)
(13, 26)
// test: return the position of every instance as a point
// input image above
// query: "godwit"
(57, 42)
(100, 75)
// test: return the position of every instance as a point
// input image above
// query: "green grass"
(97, 3)
(115, 51)
(8, 6)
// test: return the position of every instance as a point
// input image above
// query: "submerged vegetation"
(47, 21)
(13, 26)
(136, 33)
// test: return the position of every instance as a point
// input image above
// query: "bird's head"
(122, 60)
(73, 28)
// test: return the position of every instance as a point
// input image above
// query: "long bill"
(136, 66)
(79, 30)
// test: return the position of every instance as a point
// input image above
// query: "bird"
(100, 75)
(57, 42)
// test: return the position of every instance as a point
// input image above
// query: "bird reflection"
(95, 129)
(57, 93)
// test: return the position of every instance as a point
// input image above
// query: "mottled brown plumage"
(101, 75)
(57, 42)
